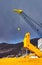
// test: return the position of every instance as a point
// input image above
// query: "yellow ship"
(33, 58)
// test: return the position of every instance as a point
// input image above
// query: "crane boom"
(37, 27)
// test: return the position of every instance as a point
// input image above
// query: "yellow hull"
(21, 61)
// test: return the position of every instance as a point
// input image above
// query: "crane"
(36, 26)
(27, 60)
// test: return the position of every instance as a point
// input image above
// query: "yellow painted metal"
(26, 40)
(30, 46)
(27, 60)
(21, 61)
(19, 11)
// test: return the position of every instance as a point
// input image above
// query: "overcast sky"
(10, 21)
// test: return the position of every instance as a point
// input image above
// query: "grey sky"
(10, 21)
